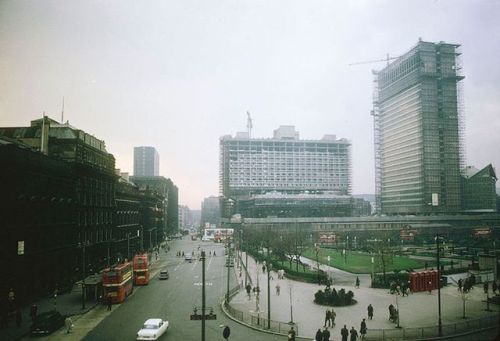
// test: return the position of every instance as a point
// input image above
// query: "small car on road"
(188, 258)
(46, 323)
(152, 329)
(164, 274)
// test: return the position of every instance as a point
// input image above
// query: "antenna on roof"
(62, 112)
(249, 124)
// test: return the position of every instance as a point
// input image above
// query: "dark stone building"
(88, 219)
(128, 231)
(165, 188)
(37, 221)
(478, 190)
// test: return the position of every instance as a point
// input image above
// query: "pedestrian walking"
(69, 324)
(494, 287)
(19, 318)
(362, 329)
(291, 334)
(391, 313)
(327, 318)
(485, 287)
(357, 281)
(370, 312)
(319, 336)
(430, 287)
(345, 333)
(248, 288)
(109, 302)
(333, 315)
(326, 334)
(460, 283)
(354, 334)
(278, 289)
(33, 312)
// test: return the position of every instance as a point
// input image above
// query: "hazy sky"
(177, 75)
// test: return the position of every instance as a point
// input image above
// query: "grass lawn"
(358, 262)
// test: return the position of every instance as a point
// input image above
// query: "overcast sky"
(177, 75)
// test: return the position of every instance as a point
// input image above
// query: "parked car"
(164, 274)
(46, 323)
(152, 329)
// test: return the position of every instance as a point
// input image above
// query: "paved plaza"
(416, 310)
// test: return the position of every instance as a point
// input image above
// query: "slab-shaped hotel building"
(284, 164)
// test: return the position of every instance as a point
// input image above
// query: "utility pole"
(268, 287)
(202, 295)
(228, 262)
(440, 325)
(83, 276)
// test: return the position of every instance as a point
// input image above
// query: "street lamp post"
(440, 325)
(316, 247)
(82, 246)
(397, 308)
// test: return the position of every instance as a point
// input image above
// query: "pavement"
(416, 310)
(296, 298)
(68, 304)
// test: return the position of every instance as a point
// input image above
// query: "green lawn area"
(358, 262)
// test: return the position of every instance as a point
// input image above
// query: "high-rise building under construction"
(418, 131)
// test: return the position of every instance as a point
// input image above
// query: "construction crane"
(386, 59)
(249, 124)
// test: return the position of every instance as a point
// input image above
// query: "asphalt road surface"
(174, 300)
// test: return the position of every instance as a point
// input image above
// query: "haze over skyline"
(178, 75)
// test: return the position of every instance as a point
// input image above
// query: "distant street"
(175, 298)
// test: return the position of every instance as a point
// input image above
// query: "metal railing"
(432, 331)
(257, 321)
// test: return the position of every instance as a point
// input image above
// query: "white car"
(152, 329)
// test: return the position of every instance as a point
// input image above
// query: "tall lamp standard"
(440, 325)
(82, 246)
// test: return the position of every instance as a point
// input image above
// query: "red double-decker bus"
(141, 269)
(117, 282)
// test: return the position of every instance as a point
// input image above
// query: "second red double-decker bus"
(141, 269)
(117, 282)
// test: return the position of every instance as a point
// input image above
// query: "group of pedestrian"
(465, 285)
(322, 335)
(400, 288)
(330, 318)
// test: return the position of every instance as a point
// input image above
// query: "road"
(175, 298)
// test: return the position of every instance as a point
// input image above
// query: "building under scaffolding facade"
(418, 131)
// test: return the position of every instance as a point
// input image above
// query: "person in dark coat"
(328, 316)
(326, 334)
(391, 313)
(485, 287)
(109, 302)
(345, 333)
(291, 334)
(354, 334)
(33, 312)
(362, 329)
(370, 312)
(319, 336)
(357, 282)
